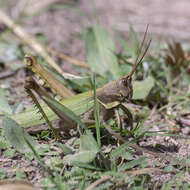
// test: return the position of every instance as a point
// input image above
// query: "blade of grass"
(133, 163)
(86, 166)
(96, 112)
(170, 84)
(97, 120)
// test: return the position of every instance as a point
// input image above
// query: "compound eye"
(28, 61)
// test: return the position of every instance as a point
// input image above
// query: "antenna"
(137, 63)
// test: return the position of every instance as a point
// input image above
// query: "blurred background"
(61, 21)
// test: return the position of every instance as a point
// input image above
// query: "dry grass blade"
(145, 171)
(132, 173)
(15, 184)
(175, 57)
(97, 182)
(68, 58)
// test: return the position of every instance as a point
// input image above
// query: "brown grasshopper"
(111, 96)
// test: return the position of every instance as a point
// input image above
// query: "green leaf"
(17, 108)
(20, 174)
(122, 41)
(141, 89)
(66, 150)
(9, 153)
(87, 142)
(16, 136)
(132, 164)
(88, 150)
(134, 42)
(4, 106)
(168, 168)
(119, 151)
(3, 173)
(82, 156)
(100, 51)
(4, 144)
(132, 47)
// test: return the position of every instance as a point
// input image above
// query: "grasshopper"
(111, 96)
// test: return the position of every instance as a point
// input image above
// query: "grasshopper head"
(125, 88)
(28, 59)
(120, 90)
(31, 63)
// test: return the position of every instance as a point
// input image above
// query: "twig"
(145, 171)
(7, 74)
(68, 58)
(184, 121)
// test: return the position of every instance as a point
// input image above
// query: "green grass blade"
(86, 166)
(132, 164)
(96, 112)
